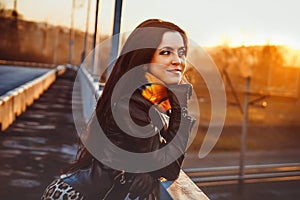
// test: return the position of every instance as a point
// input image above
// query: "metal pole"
(233, 90)
(55, 47)
(95, 37)
(71, 33)
(15, 5)
(244, 132)
(15, 13)
(86, 30)
(116, 34)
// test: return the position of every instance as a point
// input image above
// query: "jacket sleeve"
(178, 131)
(178, 126)
(181, 127)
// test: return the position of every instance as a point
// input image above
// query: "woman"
(155, 54)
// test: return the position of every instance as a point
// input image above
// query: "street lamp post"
(244, 131)
(86, 30)
(116, 34)
(15, 5)
(95, 38)
(71, 42)
(246, 71)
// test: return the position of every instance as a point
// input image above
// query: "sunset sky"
(208, 22)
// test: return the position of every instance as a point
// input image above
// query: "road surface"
(13, 76)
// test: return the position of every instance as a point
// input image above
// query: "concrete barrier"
(14, 102)
(51, 78)
(181, 188)
(18, 96)
(29, 96)
(61, 69)
(7, 115)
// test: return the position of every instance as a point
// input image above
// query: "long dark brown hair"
(138, 50)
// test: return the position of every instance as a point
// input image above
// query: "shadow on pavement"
(41, 141)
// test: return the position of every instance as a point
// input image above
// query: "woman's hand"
(142, 186)
(179, 95)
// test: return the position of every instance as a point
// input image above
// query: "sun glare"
(291, 56)
(229, 28)
(247, 39)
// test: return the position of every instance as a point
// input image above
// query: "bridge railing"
(182, 188)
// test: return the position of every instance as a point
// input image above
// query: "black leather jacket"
(140, 111)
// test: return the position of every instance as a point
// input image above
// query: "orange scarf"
(156, 92)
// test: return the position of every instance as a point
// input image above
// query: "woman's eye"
(181, 53)
(165, 52)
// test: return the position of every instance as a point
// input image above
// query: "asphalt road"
(12, 76)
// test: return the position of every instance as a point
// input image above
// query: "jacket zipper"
(161, 139)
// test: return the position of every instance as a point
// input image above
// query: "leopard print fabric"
(59, 190)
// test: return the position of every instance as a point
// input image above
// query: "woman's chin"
(173, 81)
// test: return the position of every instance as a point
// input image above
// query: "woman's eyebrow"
(171, 48)
(166, 48)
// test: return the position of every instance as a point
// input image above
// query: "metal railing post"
(244, 132)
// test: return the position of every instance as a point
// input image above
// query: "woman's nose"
(176, 59)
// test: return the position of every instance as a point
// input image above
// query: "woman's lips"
(175, 71)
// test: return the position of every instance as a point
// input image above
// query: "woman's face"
(168, 61)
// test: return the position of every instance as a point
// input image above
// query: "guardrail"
(90, 92)
(211, 176)
(182, 188)
(14, 102)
